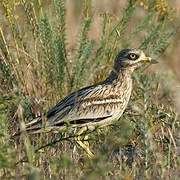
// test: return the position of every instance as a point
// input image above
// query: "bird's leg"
(84, 145)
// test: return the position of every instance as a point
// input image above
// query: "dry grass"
(47, 51)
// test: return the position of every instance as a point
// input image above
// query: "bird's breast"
(123, 90)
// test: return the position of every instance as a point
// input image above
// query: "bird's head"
(132, 59)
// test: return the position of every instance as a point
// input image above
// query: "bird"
(98, 105)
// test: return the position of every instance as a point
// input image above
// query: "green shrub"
(37, 69)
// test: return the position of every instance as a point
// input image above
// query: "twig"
(24, 159)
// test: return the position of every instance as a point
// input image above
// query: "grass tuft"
(38, 66)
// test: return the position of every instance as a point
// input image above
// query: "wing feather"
(87, 104)
(69, 101)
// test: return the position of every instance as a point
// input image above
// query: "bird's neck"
(117, 76)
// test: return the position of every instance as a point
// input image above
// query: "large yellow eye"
(133, 56)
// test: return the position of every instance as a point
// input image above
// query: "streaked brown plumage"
(98, 105)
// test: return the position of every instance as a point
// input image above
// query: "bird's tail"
(33, 127)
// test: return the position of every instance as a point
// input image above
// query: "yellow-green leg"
(84, 145)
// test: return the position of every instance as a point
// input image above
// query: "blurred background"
(49, 48)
